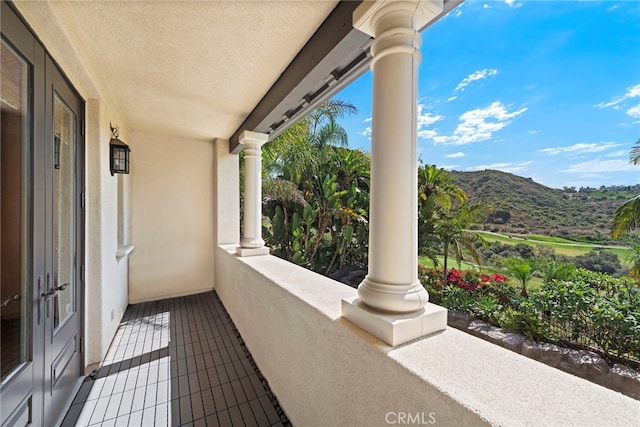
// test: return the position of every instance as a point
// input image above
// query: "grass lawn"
(451, 263)
(560, 245)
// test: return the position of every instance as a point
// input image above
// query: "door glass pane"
(15, 298)
(64, 148)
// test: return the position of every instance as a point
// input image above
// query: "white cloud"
(512, 3)
(426, 119)
(449, 167)
(634, 111)
(453, 98)
(458, 12)
(427, 133)
(580, 148)
(366, 132)
(455, 155)
(479, 125)
(485, 6)
(599, 166)
(368, 119)
(632, 92)
(619, 153)
(510, 167)
(478, 75)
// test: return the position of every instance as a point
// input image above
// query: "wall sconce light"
(118, 153)
(56, 152)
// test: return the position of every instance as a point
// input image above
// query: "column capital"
(251, 138)
(369, 13)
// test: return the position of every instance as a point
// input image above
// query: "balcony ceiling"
(191, 69)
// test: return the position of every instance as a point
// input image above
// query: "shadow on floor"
(176, 362)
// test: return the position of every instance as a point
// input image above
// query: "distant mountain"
(521, 205)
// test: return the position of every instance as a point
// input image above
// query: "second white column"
(251, 242)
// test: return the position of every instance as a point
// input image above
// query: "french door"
(41, 233)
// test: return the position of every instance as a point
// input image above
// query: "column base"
(395, 328)
(244, 252)
(392, 298)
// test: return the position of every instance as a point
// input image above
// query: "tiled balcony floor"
(176, 362)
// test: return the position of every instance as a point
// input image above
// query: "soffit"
(189, 69)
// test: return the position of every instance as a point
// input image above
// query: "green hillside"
(522, 206)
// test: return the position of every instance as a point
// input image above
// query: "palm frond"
(626, 217)
(634, 154)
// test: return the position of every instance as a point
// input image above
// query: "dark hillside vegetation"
(522, 206)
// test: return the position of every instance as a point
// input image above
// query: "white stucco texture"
(172, 217)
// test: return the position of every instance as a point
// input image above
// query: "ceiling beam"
(334, 56)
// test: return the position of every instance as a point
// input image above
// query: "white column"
(251, 242)
(392, 285)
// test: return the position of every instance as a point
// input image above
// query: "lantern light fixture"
(118, 153)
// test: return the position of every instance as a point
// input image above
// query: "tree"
(522, 269)
(452, 229)
(330, 227)
(435, 186)
(599, 261)
(627, 216)
(298, 152)
(436, 193)
(283, 197)
(634, 257)
(551, 270)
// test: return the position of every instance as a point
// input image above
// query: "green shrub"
(591, 309)
(527, 320)
(594, 309)
(489, 308)
(457, 299)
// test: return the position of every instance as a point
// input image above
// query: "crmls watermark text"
(406, 418)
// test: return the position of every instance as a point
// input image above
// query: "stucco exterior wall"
(106, 276)
(172, 208)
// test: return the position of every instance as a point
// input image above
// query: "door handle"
(48, 293)
(39, 299)
(61, 288)
(9, 300)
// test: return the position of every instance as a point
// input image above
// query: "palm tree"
(522, 269)
(436, 193)
(310, 157)
(435, 184)
(634, 154)
(634, 257)
(627, 216)
(452, 229)
(551, 270)
(296, 154)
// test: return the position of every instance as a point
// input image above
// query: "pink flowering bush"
(468, 280)
(474, 292)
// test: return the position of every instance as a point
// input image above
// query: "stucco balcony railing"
(326, 371)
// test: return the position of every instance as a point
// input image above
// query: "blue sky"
(549, 90)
